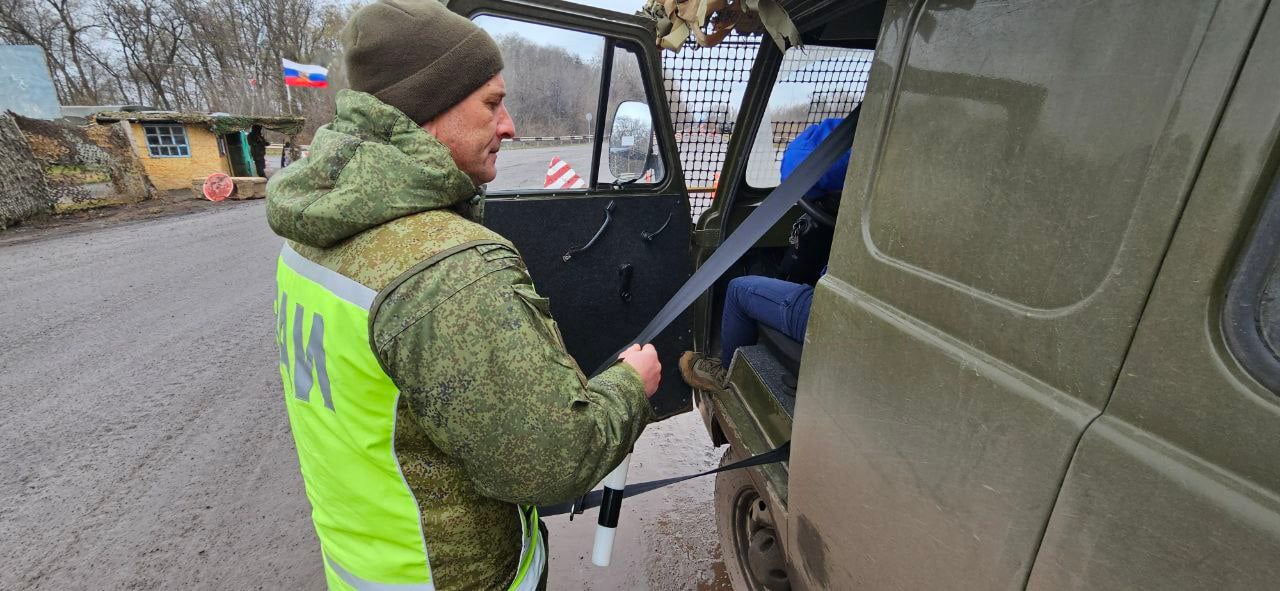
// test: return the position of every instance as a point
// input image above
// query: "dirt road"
(143, 443)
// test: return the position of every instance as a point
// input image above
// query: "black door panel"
(594, 318)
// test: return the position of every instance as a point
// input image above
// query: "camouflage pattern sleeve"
(474, 349)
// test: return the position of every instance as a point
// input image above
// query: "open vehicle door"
(609, 247)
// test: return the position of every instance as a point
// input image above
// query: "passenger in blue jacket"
(755, 299)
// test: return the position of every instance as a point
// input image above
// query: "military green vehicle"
(1045, 351)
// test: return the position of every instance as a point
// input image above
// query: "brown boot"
(702, 372)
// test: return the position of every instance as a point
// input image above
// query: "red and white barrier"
(561, 176)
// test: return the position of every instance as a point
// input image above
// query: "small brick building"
(176, 147)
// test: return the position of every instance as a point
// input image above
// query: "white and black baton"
(610, 509)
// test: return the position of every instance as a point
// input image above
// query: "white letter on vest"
(310, 358)
(282, 333)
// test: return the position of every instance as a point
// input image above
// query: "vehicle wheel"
(749, 541)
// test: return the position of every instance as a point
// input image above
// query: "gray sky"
(586, 45)
(590, 47)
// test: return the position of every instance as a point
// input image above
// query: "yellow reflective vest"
(342, 410)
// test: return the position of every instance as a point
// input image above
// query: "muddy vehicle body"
(1045, 352)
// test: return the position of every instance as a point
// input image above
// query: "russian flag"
(296, 74)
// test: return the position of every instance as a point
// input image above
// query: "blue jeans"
(780, 305)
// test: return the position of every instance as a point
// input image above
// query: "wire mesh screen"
(814, 83)
(704, 87)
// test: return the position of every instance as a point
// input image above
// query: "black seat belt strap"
(592, 499)
(766, 214)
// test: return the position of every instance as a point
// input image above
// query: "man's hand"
(645, 361)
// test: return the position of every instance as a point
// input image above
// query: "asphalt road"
(526, 168)
(144, 444)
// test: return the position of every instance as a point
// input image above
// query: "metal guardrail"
(556, 138)
(276, 148)
(548, 138)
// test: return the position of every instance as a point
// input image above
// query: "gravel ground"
(143, 444)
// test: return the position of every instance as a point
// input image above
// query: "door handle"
(625, 271)
(649, 236)
(608, 217)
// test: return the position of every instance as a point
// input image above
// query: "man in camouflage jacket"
(491, 412)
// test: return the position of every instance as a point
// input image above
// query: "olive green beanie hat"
(417, 56)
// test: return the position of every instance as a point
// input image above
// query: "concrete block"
(249, 187)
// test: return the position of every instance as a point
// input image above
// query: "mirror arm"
(619, 184)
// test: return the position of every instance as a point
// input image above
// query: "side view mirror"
(630, 141)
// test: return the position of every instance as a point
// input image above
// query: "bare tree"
(550, 91)
(54, 27)
(74, 34)
(150, 35)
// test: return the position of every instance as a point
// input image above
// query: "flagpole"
(288, 97)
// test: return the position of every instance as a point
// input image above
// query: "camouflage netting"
(711, 21)
(23, 193)
(85, 166)
(220, 124)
